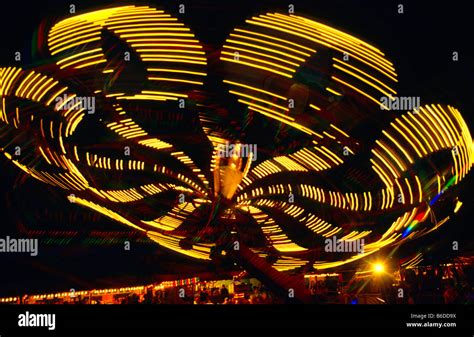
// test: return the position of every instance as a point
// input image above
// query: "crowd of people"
(208, 295)
(255, 295)
(438, 285)
(200, 294)
(433, 285)
(429, 286)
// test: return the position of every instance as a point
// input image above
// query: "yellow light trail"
(234, 49)
(407, 139)
(364, 80)
(346, 64)
(69, 46)
(360, 92)
(177, 60)
(167, 70)
(340, 39)
(45, 87)
(147, 35)
(432, 123)
(420, 190)
(333, 92)
(401, 148)
(162, 50)
(386, 163)
(271, 50)
(255, 89)
(311, 50)
(392, 155)
(256, 66)
(257, 23)
(291, 70)
(263, 101)
(72, 34)
(19, 91)
(153, 78)
(397, 120)
(315, 107)
(420, 129)
(317, 27)
(409, 190)
(148, 29)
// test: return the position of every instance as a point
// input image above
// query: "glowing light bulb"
(379, 268)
